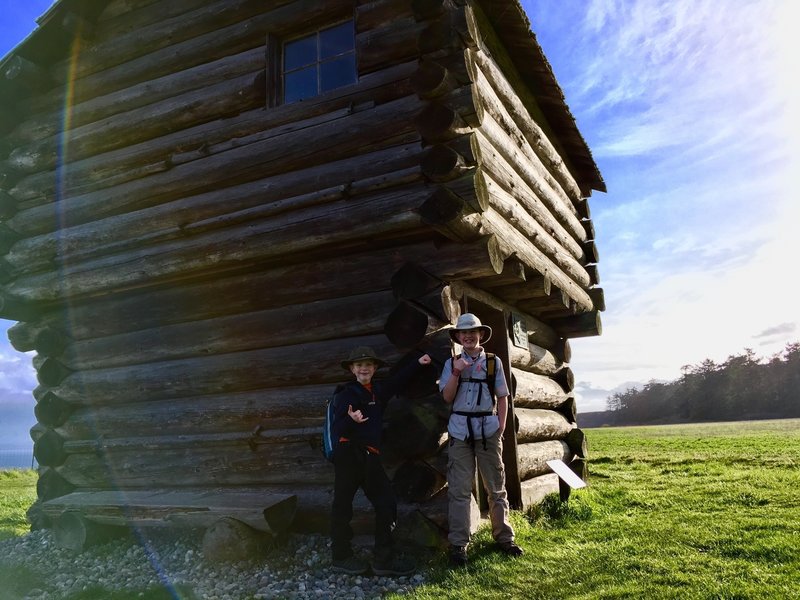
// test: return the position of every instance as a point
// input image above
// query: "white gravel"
(296, 570)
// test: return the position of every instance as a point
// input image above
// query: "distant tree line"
(741, 388)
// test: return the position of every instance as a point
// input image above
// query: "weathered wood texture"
(533, 457)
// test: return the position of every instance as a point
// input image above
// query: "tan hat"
(469, 321)
(362, 353)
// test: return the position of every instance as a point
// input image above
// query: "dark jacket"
(371, 405)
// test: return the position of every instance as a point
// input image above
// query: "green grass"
(706, 511)
(681, 511)
(17, 493)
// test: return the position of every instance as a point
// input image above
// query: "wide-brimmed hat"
(362, 353)
(469, 321)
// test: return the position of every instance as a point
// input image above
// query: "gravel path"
(298, 570)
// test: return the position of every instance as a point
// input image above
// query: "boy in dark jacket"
(358, 426)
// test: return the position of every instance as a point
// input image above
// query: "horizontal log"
(417, 482)
(507, 205)
(493, 223)
(406, 325)
(387, 44)
(51, 371)
(416, 430)
(425, 10)
(449, 32)
(73, 532)
(532, 458)
(583, 325)
(197, 106)
(534, 490)
(412, 281)
(46, 340)
(542, 362)
(588, 226)
(449, 116)
(52, 411)
(536, 391)
(598, 297)
(514, 274)
(147, 93)
(217, 466)
(189, 39)
(569, 409)
(270, 513)
(48, 449)
(496, 105)
(239, 371)
(235, 333)
(533, 285)
(261, 199)
(374, 13)
(518, 99)
(317, 227)
(594, 276)
(288, 284)
(248, 162)
(158, 154)
(8, 206)
(26, 74)
(432, 80)
(264, 409)
(443, 163)
(513, 170)
(576, 440)
(538, 425)
(51, 485)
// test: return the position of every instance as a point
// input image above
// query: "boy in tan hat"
(476, 432)
(357, 425)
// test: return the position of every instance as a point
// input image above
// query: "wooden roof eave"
(50, 41)
(513, 26)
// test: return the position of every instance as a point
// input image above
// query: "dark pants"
(356, 468)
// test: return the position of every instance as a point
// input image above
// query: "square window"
(318, 62)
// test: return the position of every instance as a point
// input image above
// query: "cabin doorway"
(498, 344)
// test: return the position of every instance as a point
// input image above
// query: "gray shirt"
(468, 396)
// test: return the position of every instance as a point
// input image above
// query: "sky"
(690, 109)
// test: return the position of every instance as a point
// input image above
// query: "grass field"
(680, 511)
(683, 511)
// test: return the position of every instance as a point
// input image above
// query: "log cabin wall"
(190, 259)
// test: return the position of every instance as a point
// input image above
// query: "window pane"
(338, 72)
(336, 40)
(300, 84)
(299, 53)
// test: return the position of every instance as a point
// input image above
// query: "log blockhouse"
(198, 221)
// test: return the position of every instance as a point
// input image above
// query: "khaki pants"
(461, 462)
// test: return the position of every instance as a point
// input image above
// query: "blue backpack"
(328, 442)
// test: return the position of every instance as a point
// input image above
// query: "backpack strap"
(491, 376)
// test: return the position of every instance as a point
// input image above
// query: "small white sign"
(567, 474)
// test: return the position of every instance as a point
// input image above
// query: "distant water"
(16, 458)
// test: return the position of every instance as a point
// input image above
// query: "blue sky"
(690, 109)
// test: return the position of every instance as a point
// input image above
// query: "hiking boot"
(395, 566)
(511, 549)
(352, 565)
(458, 556)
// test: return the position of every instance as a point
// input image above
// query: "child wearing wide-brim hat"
(479, 408)
(468, 322)
(358, 408)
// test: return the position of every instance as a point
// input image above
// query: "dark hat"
(362, 353)
(469, 321)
